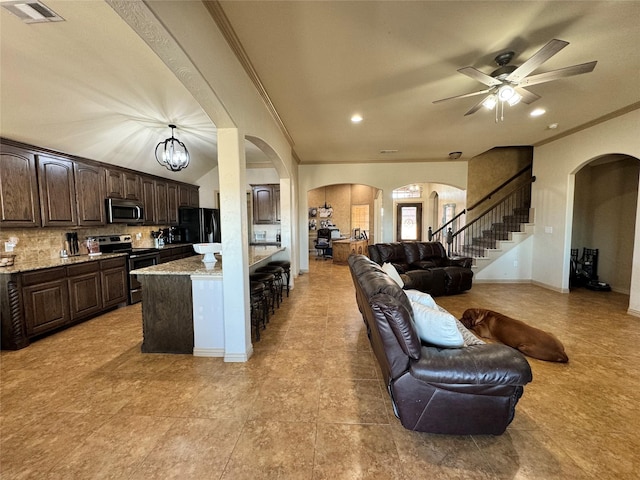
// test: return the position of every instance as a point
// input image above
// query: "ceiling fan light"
(490, 102)
(505, 93)
(515, 99)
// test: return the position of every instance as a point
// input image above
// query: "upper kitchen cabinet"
(161, 203)
(123, 184)
(188, 196)
(149, 200)
(57, 191)
(89, 182)
(266, 204)
(19, 202)
(172, 203)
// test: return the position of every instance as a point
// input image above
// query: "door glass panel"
(409, 222)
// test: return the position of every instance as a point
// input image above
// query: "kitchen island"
(182, 304)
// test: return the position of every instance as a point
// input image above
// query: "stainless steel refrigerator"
(200, 225)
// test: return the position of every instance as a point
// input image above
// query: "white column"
(235, 245)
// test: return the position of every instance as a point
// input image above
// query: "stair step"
(496, 234)
(484, 242)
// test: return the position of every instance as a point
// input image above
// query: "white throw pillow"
(436, 327)
(393, 273)
(421, 298)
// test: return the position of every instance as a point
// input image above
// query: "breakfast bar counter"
(182, 304)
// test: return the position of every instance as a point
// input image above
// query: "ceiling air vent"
(30, 11)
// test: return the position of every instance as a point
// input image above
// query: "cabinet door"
(132, 186)
(114, 282)
(115, 183)
(85, 297)
(161, 216)
(194, 197)
(19, 203)
(172, 203)
(46, 305)
(263, 206)
(276, 202)
(188, 196)
(89, 180)
(149, 200)
(57, 192)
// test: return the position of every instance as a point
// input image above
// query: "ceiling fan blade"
(527, 96)
(472, 94)
(479, 76)
(537, 59)
(560, 73)
(475, 108)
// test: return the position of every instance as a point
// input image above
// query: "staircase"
(497, 229)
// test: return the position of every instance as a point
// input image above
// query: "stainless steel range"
(137, 258)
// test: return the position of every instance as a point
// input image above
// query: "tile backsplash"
(37, 244)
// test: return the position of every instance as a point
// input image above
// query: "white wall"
(554, 166)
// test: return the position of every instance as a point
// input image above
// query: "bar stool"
(286, 266)
(278, 273)
(269, 281)
(259, 306)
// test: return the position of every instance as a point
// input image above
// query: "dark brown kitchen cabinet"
(188, 196)
(123, 184)
(19, 201)
(172, 203)
(45, 297)
(266, 207)
(90, 194)
(149, 200)
(85, 296)
(57, 192)
(39, 301)
(169, 254)
(161, 201)
(114, 281)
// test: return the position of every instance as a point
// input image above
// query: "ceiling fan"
(507, 82)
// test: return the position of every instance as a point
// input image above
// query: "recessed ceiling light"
(537, 112)
(455, 155)
(356, 118)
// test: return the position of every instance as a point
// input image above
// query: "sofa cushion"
(436, 327)
(411, 252)
(399, 319)
(393, 273)
(433, 251)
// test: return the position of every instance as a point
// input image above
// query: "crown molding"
(217, 13)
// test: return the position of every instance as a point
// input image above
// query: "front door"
(409, 222)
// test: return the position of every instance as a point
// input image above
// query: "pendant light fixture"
(172, 153)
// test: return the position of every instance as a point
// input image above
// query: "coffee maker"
(173, 235)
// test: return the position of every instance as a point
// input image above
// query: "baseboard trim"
(498, 280)
(633, 312)
(239, 357)
(208, 352)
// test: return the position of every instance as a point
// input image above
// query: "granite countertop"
(194, 266)
(55, 262)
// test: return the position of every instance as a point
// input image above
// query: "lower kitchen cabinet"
(37, 302)
(169, 254)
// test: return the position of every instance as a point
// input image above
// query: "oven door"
(135, 262)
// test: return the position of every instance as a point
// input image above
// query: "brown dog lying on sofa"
(529, 340)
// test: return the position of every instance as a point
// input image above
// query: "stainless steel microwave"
(124, 211)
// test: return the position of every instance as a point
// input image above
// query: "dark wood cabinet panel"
(46, 305)
(85, 297)
(149, 200)
(114, 282)
(161, 202)
(19, 202)
(172, 203)
(90, 192)
(115, 183)
(132, 186)
(188, 196)
(169, 254)
(57, 191)
(266, 204)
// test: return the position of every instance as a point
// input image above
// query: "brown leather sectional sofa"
(425, 266)
(463, 391)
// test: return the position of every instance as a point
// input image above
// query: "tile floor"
(86, 404)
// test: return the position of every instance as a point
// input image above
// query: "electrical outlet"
(138, 236)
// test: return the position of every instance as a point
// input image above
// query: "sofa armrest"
(465, 262)
(430, 281)
(489, 364)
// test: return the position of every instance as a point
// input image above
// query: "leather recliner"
(463, 391)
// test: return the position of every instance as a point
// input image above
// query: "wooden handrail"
(504, 184)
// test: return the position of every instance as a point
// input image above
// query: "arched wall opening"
(604, 215)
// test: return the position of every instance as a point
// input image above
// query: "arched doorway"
(604, 213)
